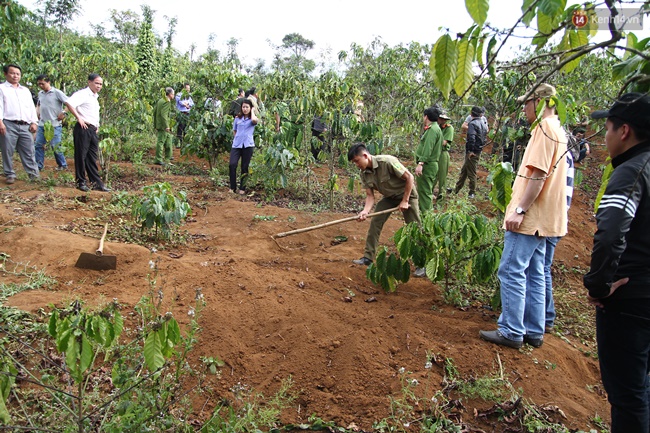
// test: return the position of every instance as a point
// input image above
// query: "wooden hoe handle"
(331, 223)
(100, 250)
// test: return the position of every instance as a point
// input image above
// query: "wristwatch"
(520, 211)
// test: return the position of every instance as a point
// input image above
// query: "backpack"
(572, 145)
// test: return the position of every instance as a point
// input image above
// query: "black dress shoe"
(365, 261)
(102, 188)
(535, 342)
(83, 188)
(496, 338)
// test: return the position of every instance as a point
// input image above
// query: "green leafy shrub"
(208, 136)
(161, 209)
(458, 245)
(278, 162)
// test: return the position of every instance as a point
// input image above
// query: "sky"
(333, 25)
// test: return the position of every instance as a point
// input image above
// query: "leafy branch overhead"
(562, 33)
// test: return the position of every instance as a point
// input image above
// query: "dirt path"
(279, 310)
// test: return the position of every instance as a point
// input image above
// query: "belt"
(18, 122)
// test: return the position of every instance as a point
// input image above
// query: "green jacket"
(161, 114)
(447, 137)
(430, 145)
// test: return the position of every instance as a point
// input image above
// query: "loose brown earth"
(276, 310)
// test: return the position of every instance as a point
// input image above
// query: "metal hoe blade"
(97, 261)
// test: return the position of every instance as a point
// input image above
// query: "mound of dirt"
(299, 308)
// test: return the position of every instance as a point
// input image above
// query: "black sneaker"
(365, 261)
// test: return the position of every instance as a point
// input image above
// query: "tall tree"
(232, 55)
(126, 26)
(167, 61)
(298, 46)
(145, 51)
(171, 30)
(61, 12)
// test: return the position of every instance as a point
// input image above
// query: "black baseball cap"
(633, 108)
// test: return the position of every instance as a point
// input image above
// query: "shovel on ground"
(97, 261)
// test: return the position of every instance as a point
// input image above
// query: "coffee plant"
(459, 246)
(161, 209)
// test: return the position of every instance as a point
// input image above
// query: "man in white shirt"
(86, 143)
(18, 123)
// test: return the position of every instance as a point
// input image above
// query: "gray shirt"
(50, 106)
(483, 119)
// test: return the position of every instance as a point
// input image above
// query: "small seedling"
(212, 363)
(264, 218)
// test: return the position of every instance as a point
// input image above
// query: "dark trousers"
(182, 119)
(86, 151)
(623, 336)
(318, 146)
(468, 172)
(245, 154)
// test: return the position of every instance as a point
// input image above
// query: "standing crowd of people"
(22, 127)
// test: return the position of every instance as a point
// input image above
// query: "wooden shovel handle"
(100, 250)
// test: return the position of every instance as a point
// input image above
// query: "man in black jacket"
(619, 279)
(476, 135)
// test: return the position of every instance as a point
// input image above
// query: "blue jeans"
(54, 144)
(551, 243)
(523, 289)
(623, 336)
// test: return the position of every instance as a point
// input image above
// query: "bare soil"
(299, 308)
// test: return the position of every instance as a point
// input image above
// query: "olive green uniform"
(161, 113)
(443, 162)
(428, 152)
(385, 176)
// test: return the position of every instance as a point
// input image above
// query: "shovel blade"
(98, 263)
